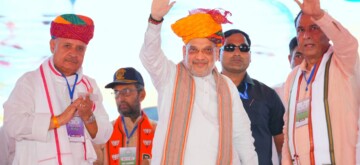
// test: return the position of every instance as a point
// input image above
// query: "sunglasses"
(231, 48)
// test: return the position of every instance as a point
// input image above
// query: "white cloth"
(27, 118)
(202, 141)
(274, 155)
(279, 89)
(7, 148)
(343, 95)
(320, 133)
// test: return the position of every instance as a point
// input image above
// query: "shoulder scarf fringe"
(327, 112)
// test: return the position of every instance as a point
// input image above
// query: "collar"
(59, 77)
(247, 79)
(303, 64)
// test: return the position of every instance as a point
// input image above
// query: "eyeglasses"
(125, 92)
(231, 48)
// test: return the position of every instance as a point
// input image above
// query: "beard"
(127, 110)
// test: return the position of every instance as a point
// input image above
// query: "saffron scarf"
(180, 115)
(145, 134)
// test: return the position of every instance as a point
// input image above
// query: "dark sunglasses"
(242, 47)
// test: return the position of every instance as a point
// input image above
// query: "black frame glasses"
(231, 47)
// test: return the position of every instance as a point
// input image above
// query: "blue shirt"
(265, 111)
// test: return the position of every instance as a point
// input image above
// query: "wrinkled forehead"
(200, 43)
(304, 20)
(70, 41)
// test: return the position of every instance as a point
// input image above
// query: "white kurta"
(202, 141)
(7, 148)
(27, 118)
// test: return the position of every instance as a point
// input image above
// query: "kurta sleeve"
(242, 137)
(346, 55)
(153, 58)
(20, 119)
(345, 45)
(277, 111)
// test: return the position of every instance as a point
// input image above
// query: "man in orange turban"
(201, 116)
(202, 23)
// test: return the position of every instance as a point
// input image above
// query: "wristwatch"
(90, 120)
(154, 21)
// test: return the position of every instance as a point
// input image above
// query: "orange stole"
(145, 133)
(180, 116)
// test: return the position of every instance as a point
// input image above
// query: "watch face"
(91, 119)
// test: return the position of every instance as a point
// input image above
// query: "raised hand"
(159, 8)
(311, 7)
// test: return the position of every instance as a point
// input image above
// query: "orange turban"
(202, 23)
(72, 26)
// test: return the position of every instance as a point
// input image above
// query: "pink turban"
(72, 26)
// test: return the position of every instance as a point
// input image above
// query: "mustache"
(200, 61)
(237, 58)
(72, 59)
(124, 103)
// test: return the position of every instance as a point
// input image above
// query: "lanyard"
(311, 138)
(296, 156)
(245, 94)
(126, 131)
(71, 91)
(310, 77)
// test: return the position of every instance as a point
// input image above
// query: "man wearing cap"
(201, 117)
(133, 130)
(55, 112)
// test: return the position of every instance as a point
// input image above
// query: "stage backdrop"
(119, 33)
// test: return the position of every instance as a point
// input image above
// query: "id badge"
(302, 112)
(127, 156)
(75, 129)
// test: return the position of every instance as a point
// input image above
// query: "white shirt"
(202, 140)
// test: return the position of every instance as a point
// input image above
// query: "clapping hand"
(84, 106)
